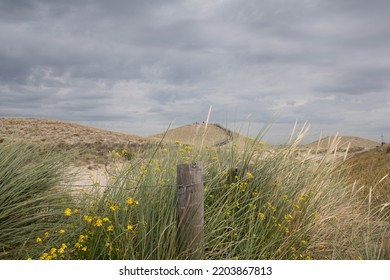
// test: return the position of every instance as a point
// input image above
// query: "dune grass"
(29, 199)
(258, 205)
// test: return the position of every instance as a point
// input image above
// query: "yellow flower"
(53, 251)
(87, 218)
(110, 228)
(46, 234)
(44, 256)
(261, 216)
(288, 217)
(38, 240)
(130, 227)
(293, 249)
(113, 207)
(61, 231)
(98, 222)
(84, 248)
(105, 219)
(109, 246)
(304, 242)
(188, 148)
(63, 246)
(115, 153)
(249, 175)
(29, 259)
(67, 212)
(131, 201)
(82, 238)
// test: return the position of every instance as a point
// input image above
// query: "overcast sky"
(138, 65)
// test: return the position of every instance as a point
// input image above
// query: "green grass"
(278, 206)
(29, 199)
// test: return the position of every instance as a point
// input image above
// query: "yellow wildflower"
(46, 234)
(38, 240)
(61, 231)
(131, 201)
(261, 216)
(84, 248)
(98, 222)
(293, 249)
(87, 218)
(67, 212)
(249, 175)
(83, 238)
(188, 148)
(110, 228)
(115, 153)
(130, 227)
(113, 207)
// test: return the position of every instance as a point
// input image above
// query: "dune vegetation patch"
(257, 205)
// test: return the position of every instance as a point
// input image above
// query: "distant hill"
(354, 143)
(67, 135)
(193, 134)
(199, 133)
(44, 130)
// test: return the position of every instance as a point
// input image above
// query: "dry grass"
(91, 144)
(351, 143)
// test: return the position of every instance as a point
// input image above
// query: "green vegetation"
(274, 206)
(29, 201)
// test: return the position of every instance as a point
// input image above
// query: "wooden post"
(190, 210)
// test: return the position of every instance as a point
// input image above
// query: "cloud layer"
(137, 66)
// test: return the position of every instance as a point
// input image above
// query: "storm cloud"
(139, 66)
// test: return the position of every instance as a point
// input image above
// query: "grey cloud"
(359, 81)
(157, 61)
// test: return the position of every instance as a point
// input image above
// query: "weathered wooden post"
(190, 210)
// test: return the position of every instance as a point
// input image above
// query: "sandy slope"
(43, 130)
(354, 143)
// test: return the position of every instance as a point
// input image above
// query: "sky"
(142, 67)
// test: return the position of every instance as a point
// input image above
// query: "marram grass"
(258, 205)
(30, 200)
